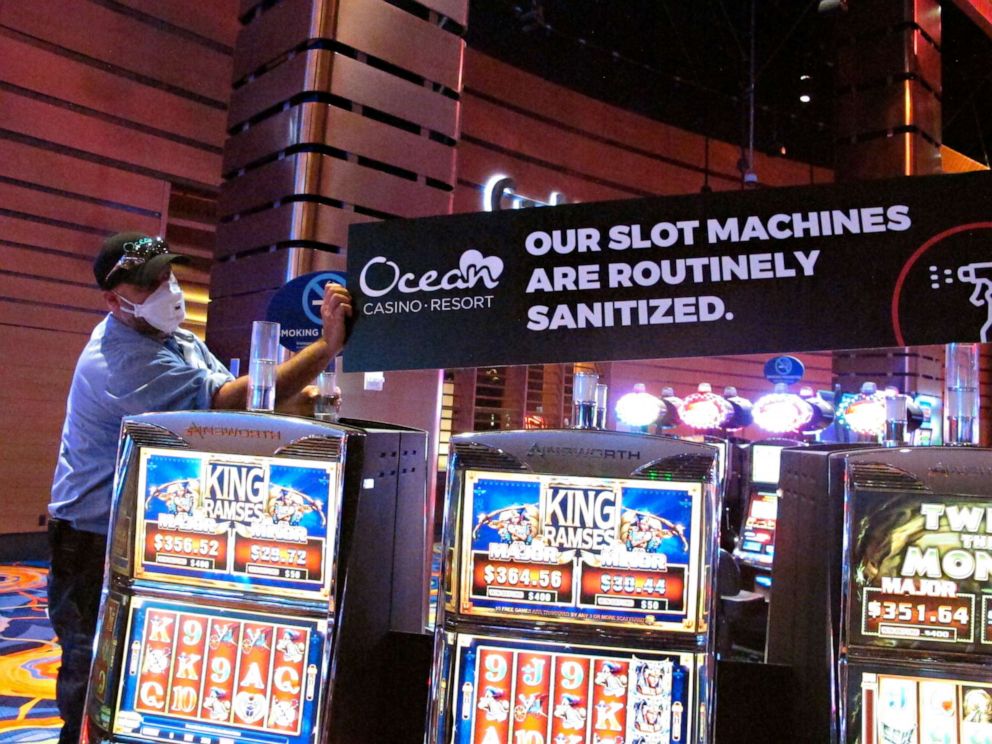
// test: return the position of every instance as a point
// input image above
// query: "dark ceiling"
(687, 62)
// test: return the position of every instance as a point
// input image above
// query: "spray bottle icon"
(980, 274)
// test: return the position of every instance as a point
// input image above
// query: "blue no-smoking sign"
(785, 369)
(296, 308)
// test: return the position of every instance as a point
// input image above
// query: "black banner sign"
(880, 263)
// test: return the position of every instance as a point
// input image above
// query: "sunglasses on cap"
(136, 252)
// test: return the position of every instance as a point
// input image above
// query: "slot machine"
(804, 605)
(755, 550)
(916, 629)
(578, 577)
(827, 619)
(256, 563)
(930, 429)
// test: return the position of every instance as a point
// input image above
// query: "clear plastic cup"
(602, 394)
(327, 406)
(262, 366)
(584, 400)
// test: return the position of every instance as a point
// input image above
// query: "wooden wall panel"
(307, 72)
(65, 173)
(368, 86)
(277, 30)
(316, 123)
(214, 21)
(112, 118)
(289, 222)
(104, 35)
(391, 34)
(351, 183)
(131, 148)
(27, 66)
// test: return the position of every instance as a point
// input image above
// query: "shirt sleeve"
(155, 378)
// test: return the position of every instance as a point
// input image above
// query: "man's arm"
(299, 371)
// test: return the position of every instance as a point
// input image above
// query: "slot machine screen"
(758, 536)
(212, 675)
(919, 573)
(257, 524)
(508, 691)
(594, 550)
(766, 461)
(895, 705)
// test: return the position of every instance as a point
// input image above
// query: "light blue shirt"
(121, 373)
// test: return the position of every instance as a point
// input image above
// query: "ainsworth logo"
(196, 430)
(381, 276)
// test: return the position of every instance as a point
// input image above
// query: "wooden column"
(342, 112)
(888, 89)
(889, 124)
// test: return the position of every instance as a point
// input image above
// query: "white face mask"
(165, 308)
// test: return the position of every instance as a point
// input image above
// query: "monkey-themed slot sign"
(921, 565)
(257, 524)
(600, 551)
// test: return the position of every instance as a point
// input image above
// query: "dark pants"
(74, 586)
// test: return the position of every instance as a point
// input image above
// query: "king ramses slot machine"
(231, 538)
(577, 580)
(916, 641)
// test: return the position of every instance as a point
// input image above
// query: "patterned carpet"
(29, 657)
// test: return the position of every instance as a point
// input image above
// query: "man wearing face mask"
(137, 360)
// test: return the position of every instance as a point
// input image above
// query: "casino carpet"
(29, 657)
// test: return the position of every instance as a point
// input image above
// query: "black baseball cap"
(132, 257)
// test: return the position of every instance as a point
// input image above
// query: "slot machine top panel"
(619, 552)
(584, 452)
(600, 529)
(239, 433)
(233, 502)
(918, 552)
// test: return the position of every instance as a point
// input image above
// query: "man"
(137, 360)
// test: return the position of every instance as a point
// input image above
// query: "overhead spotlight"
(831, 6)
(805, 88)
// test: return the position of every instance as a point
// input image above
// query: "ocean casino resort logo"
(380, 276)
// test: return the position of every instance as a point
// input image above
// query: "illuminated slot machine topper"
(259, 524)
(919, 562)
(212, 675)
(588, 550)
(585, 546)
(506, 691)
(889, 704)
